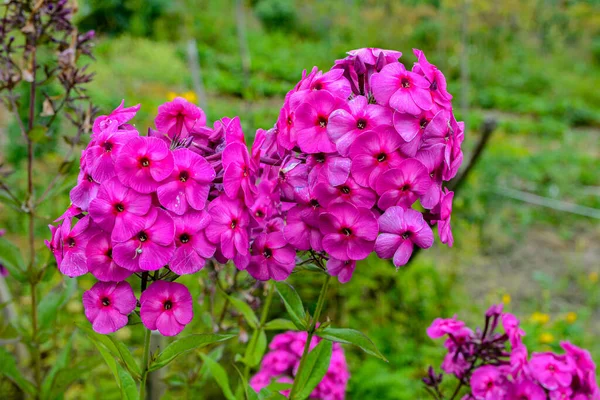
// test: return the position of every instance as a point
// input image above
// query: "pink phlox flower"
(512, 329)
(435, 77)
(402, 186)
(70, 212)
(100, 262)
(526, 389)
(585, 368)
(189, 183)
(487, 383)
(432, 158)
(107, 305)
(119, 210)
(443, 211)
(143, 163)
(372, 154)
(192, 246)
(332, 82)
(73, 243)
(120, 115)
(151, 247)
(272, 257)
(302, 227)
(360, 65)
(166, 306)
(100, 158)
(403, 90)
(348, 192)
(229, 226)
(292, 176)
(345, 126)
(349, 232)
(550, 370)
(343, 269)
(179, 118)
(240, 172)
(85, 191)
(453, 154)
(328, 167)
(454, 363)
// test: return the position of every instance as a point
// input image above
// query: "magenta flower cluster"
(281, 363)
(338, 177)
(497, 365)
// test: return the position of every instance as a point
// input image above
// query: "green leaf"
(351, 336)
(220, 376)
(108, 358)
(133, 319)
(11, 258)
(280, 324)
(115, 348)
(184, 345)
(250, 393)
(293, 304)
(279, 386)
(256, 348)
(38, 134)
(314, 369)
(54, 301)
(8, 332)
(60, 363)
(8, 368)
(244, 309)
(129, 390)
(266, 394)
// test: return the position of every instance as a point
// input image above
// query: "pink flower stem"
(311, 332)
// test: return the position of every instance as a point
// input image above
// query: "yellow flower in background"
(571, 317)
(506, 299)
(546, 338)
(540, 318)
(189, 96)
(593, 277)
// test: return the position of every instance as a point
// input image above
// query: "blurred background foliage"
(533, 65)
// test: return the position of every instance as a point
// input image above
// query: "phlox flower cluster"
(281, 363)
(353, 153)
(496, 365)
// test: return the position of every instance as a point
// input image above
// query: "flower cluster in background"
(497, 365)
(281, 363)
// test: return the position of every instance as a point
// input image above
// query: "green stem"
(145, 364)
(263, 320)
(311, 332)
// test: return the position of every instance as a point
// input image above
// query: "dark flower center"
(318, 86)
(184, 176)
(71, 242)
(490, 384)
(345, 189)
(433, 86)
(405, 188)
(289, 120)
(168, 305)
(405, 235)
(361, 123)
(314, 203)
(246, 171)
(424, 123)
(144, 162)
(267, 253)
(346, 231)
(551, 368)
(106, 302)
(108, 146)
(259, 214)
(89, 178)
(381, 157)
(320, 158)
(119, 207)
(405, 83)
(233, 223)
(184, 238)
(142, 236)
(322, 121)
(109, 253)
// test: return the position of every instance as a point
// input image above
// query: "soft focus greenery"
(533, 65)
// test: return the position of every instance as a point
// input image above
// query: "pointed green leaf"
(108, 358)
(244, 309)
(293, 304)
(129, 390)
(220, 376)
(351, 336)
(256, 349)
(184, 345)
(8, 368)
(313, 371)
(266, 394)
(11, 258)
(250, 393)
(280, 324)
(54, 301)
(126, 357)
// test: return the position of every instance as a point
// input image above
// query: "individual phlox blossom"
(345, 126)
(432, 159)
(292, 176)
(189, 183)
(487, 383)
(421, 130)
(119, 210)
(107, 305)
(286, 133)
(400, 231)
(100, 262)
(312, 118)
(403, 90)
(526, 389)
(453, 155)
(272, 257)
(264, 207)
(343, 269)
(240, 172)
(454, 363)
(372, 154)
(120, 115)
(192, 246)
(550, 370)
(329, 168)
(166, 306)
(510, 323)
(448, 326)
(179, 118)
(331, 81)
(73, 243)
(518, 359)
(402, 186)
(302, 227)
(143, 163)
(584, 365)
(349, 191)
(349, 232)
(101, 156)
(361, 64)
(445, 214)
(229, 226)
(150, 248)
(436, 79)
(85, 191)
